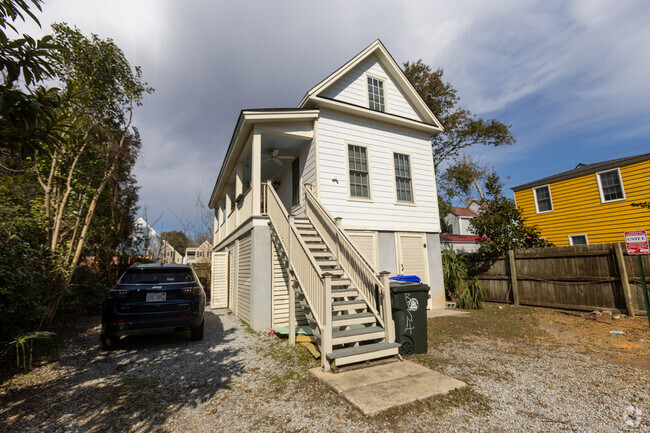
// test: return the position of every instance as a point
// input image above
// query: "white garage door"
(244, 279)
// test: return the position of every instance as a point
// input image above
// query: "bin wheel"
(406, 349)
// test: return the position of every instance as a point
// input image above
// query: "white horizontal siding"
(353, 87)
(334, 131)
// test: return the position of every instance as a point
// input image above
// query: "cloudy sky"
(571, 77)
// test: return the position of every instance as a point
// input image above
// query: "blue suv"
(153, 298)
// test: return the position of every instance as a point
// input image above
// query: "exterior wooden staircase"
(356, 335)
(346, 304)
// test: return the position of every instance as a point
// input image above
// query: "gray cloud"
(547, 67)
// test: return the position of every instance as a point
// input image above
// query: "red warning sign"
(637, 242)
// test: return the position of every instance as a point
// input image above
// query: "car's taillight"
(114, 293)
(192, 290)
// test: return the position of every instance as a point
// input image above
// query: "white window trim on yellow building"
(577, 235)
(550, 197)
(600, 186)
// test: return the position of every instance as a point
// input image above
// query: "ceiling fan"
(274, 156)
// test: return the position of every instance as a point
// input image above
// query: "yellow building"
(589, 204)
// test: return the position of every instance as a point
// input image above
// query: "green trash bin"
(409, 307)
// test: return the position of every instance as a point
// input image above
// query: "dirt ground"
(527, 369)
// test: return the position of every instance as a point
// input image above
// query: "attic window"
(376, 94)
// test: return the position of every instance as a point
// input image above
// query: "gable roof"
(582, 169)
(394, 71)
(461, 211)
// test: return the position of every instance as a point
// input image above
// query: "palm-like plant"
(454, 268)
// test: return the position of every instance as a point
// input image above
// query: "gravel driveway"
(237, 380)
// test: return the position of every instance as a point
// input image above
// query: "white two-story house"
(316, 206)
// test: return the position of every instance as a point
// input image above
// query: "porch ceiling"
(276, 133)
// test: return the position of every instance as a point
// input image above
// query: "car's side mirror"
(203, 281)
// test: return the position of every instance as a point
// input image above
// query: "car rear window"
(157, 276)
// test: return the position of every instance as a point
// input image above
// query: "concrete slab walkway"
(446, 312)
(377, 388)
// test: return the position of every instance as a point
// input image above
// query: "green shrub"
(454, 267)
(472, 297)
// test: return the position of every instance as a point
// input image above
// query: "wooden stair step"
(307, 231)
(355, 335)
(321, 254)
(319, 246)
(337, 282)
(326, 262)
(356, 304)
(313, 239)
(334, 272)
(353, 319)
(350, 355)
(344, 293)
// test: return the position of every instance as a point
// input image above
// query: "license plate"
(156, 297)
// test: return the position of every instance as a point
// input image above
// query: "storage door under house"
(219, 289)
(366, 243)
(280, 304)
(244, 279)
(232, 280)
(412, 257)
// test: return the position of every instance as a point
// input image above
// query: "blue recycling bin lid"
(406, 278)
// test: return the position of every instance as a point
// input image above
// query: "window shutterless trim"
(394, 174)
(600, 185)
(550, 198)
(577, 235)
(347, 171)
(381, 80)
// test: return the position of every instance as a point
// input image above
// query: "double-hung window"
(376, 94)
(610, 185)
(403, 181)
(358, 171)
(543, 202)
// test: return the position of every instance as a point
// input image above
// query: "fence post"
(326, 326)
(513, 277)
(625, 283)
(386, 306)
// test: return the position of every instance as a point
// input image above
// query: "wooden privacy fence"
(581, 277)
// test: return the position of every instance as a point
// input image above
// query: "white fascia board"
(374, 115)
(247, 119)
(392, 68)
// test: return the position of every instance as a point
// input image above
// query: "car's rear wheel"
(108, 342)
(197, 333)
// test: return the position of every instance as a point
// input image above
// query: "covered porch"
(268, 146)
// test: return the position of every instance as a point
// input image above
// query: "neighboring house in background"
(589, 204)
(459, 236)
(328, 194)
(169, 254)
(200, 254)
(146, 241)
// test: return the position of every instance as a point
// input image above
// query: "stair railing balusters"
(326, 329)
(389, 326)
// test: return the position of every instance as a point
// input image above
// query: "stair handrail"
(301, 263)
(353, 263)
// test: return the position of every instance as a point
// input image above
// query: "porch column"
(228, 205)
(239, 177)
(256, 171)
(215, 227)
